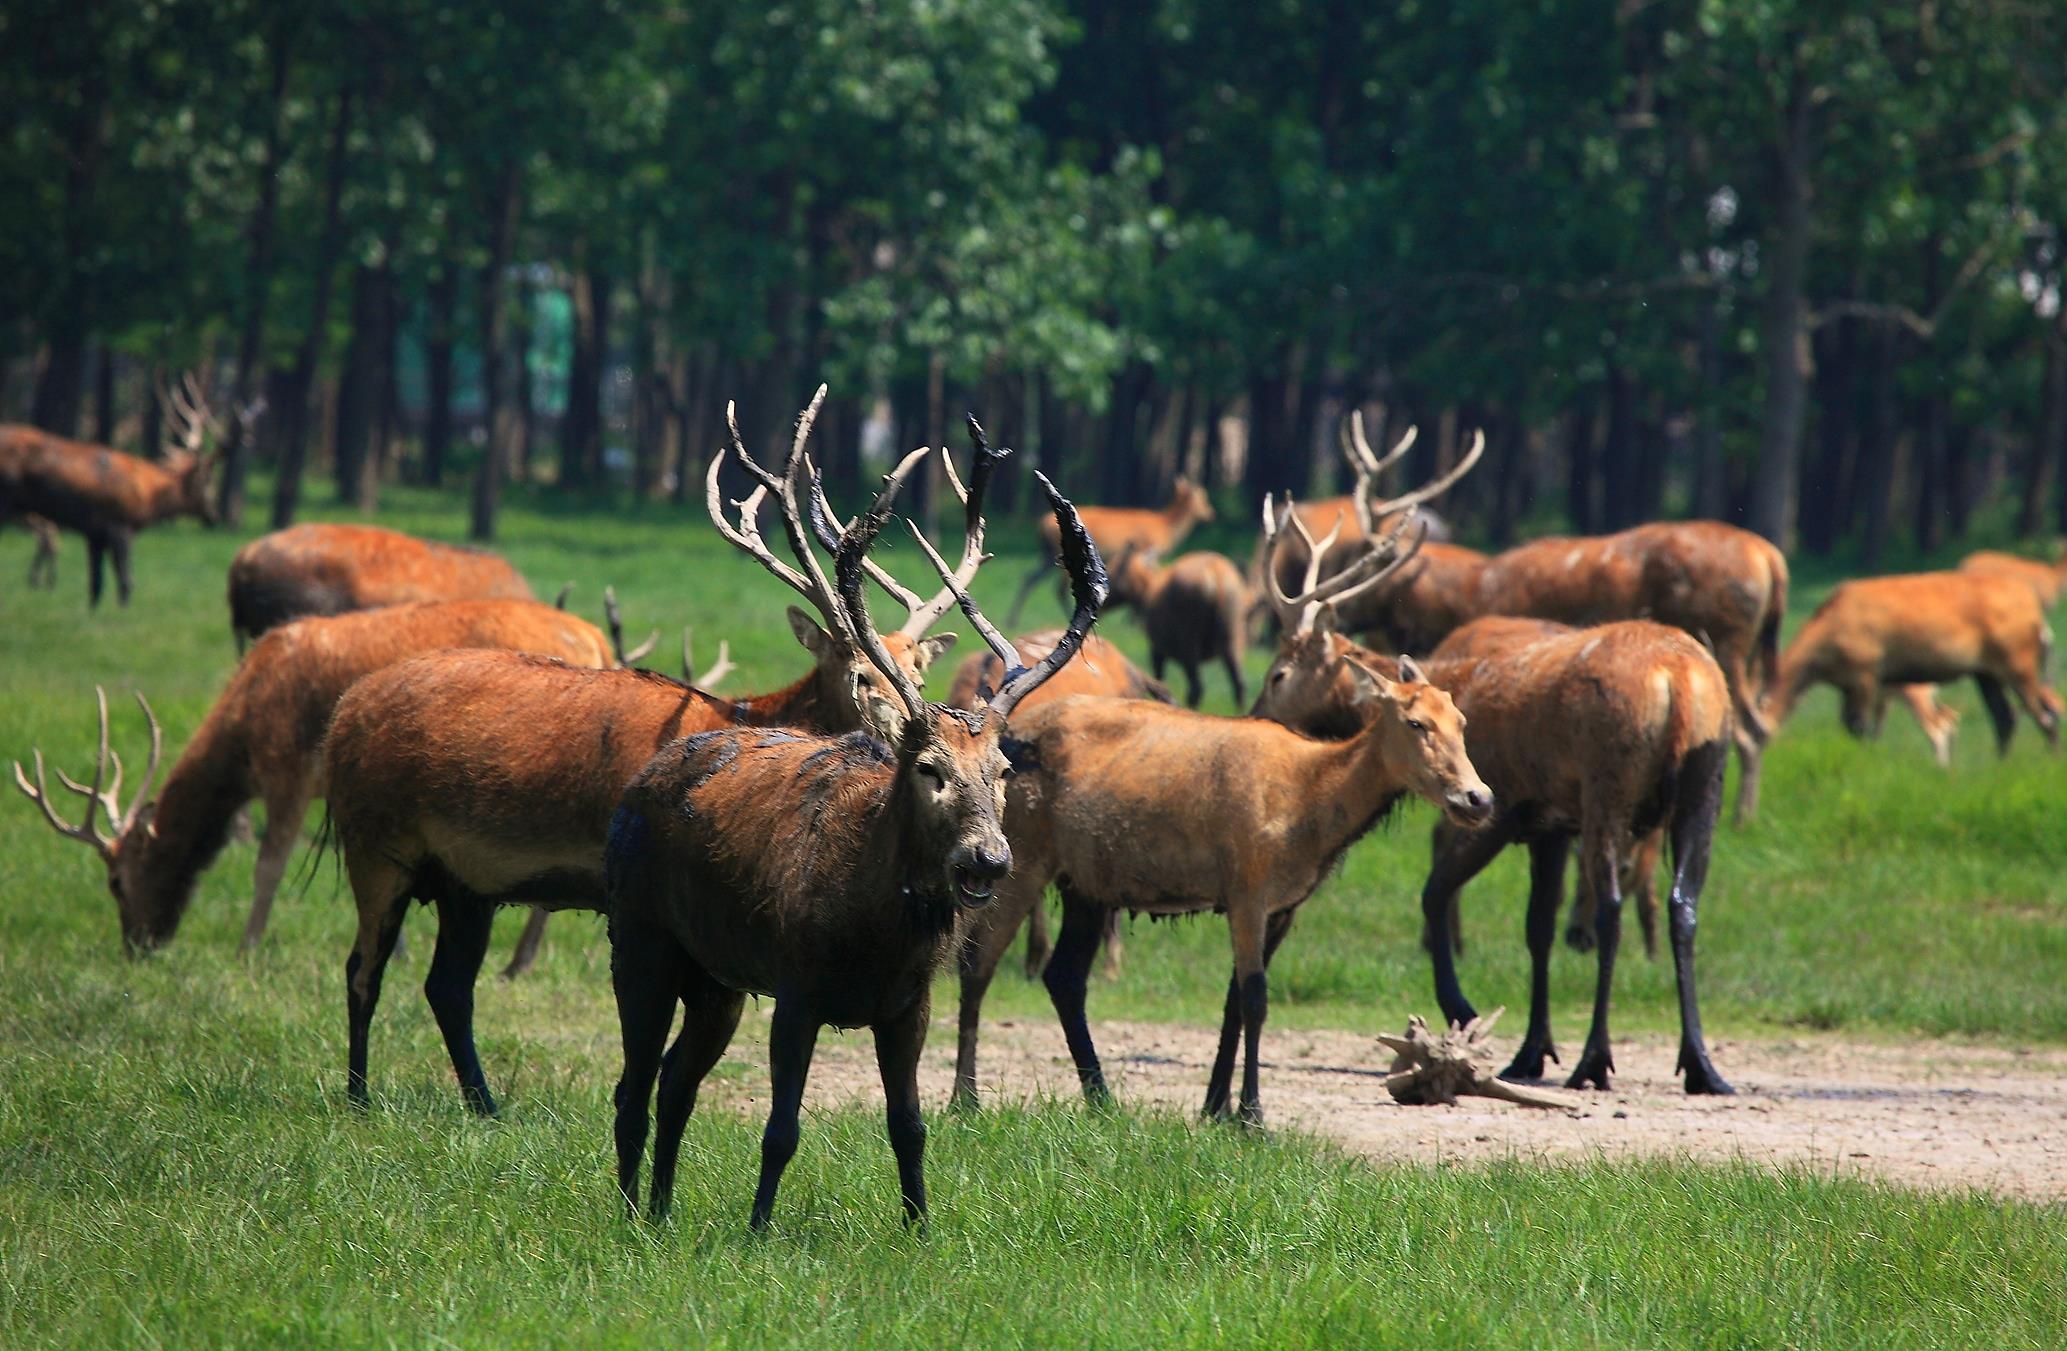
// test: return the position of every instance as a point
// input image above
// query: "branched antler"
(106, 801)
(1299, 613)
(1430, 1069)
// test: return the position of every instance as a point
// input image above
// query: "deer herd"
(832, 843)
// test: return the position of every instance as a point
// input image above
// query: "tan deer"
(264, 738)
(332, 569)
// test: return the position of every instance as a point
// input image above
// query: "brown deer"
(1114, 528)
(842, 911)
(1098, 669)
(1607, 734)
(103, 494)
(478, 779)
(1926, 629)
(331, 569)
(264, 739)
(1136, 806)
(2046, 581)
(1194, 612)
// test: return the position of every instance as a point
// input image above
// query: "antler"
(107, 802)
(1298, 614)
(611, 617)
(1427, 1068)
(723, 668)
(1358, 451)
(1088, 585)
(1369, 511)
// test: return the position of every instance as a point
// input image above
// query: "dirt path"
(1921, 1114)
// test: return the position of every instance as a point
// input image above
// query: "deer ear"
(816, 640)
(1411, 670)
(1369, 684)
(929, 650)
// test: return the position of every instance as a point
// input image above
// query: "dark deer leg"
(283, 830)
(1601, 874)
(463, 929)
(1194, 690)
(380, 924)
(898, 1044)
(1460, 855)
(792, 1037)
(1221, 1082)
(643, 963)
(1067, 977)
(1693, 832)
(96, 568)
(1547, 856)
(1999, 712)
(1233, 662)
(710, 1017)
(118, 546)
(1038, 944)
(528, 943)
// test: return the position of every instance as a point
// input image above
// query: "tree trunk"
(104, 397)
(1579, 459)
(495, 412)
(525, 406)
(2050, 442)
(1877, 448)
(359, 392)
(1822, 493)
(60, 391)
(258, 274)
(1773, 500)
(444, 328)
(1619, 487)
(294, 416)
(1711, 489)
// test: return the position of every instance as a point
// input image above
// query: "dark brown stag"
(1195, 612)
(829, 873)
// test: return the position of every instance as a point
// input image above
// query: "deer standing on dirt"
(1194, 612)
(103, 494)
(843, 911)
(1115, 528)
(264, 738)
(474, 779)
(1127, 805)
(332, 569)
(1926, 628)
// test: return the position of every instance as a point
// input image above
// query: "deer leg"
(1067, 977)
(792, 1036)
(96, 566)
(898, 1043)
(1038, 944)
(118, 546)
(710, 1017)
(1547, 856)
(1233, 661)
(382, 894)
(463, 928)
(1600, 874)
(1221, 1082)
(1252, 950)
(1751, 758)
(644, 962)
(983, 947)
(1193, 690)
(2042, 704)
(1459, 856)
(1693, 832)
(528, 944)
(1115, 946)
(283, 829)
(1997, 701)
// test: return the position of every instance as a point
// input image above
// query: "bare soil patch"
(1927, 1114)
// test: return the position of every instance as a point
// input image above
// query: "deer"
(843, 912)
(476, 779)
(1125, 804)
(1606, 734)
(332, 569)
(104, 494)
(1098, 668)
(43, 564)
(1194, 611)
(2046, 581)
(263, 738)
(1926, 629)
(1115, 528)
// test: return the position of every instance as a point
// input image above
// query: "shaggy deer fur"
(1194, 612)
(842, 913)
(330, 569)
(481, 779)
(264, 738)
(1113, 529)
(1927, 628)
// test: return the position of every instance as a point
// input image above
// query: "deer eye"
(932, 775)
(1417, 725)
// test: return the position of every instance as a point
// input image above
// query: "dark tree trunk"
(104, 397)
(152, 435)
(1579, 475)
(258, 274)
(2050, 440)
(63, 386)
(525, 406)
(1786, 325)
(444, 329)
(1711, 488)
(295, 421)
(1619, 486)
(1823, 494)
(1877, 447)
(359, 391)
(493, 325)
(581, 445)
(1278, 460)
(388, 408)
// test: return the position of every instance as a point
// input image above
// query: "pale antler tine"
(1493, 1086)
(972, 497)
(143, 789)
(746, 536)
(828, 527)
(640, 652)
(1440, 485)
(854, 544)
(747, 462)
(100, 756)
(984, 628)
(722, 667)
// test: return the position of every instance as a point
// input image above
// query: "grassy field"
(176, 1163)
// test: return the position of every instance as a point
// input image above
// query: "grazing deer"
(478, 779)
(1098, 669)
(331, 569)
(1194, 612)
(103, 494)
(844, 910)
(1114, 528)
(1926, 629)
(1136, 806)
(264, 739)
(2046, 581)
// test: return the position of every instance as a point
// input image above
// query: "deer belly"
(558, 874)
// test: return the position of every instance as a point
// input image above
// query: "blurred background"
(1792, 263)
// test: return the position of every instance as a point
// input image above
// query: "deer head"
(1189, 501)
(192, 422)
(148, 917)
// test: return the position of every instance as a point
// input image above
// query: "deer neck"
(1353, 778)
(187, 826)
(797, 704)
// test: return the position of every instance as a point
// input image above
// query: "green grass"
(177, 1164)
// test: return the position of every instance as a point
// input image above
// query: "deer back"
(1099, 668)
(331, 569)
(90, 488)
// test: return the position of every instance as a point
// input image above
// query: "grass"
(177, 1165)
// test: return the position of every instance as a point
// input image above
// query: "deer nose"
(1472, 805)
